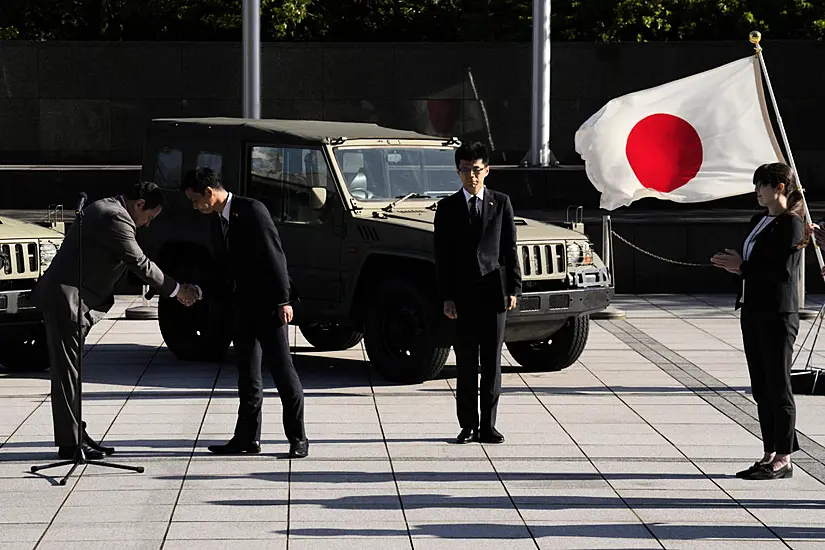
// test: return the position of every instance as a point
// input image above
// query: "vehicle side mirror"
(318, 197)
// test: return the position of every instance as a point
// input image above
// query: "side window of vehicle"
(287, 180)
(168, 168)
(211, 160)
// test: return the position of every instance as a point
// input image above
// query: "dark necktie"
(474, 213)
(225, 229)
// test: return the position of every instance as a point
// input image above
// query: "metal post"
(540, 145)
(607, 252)
(252, 59)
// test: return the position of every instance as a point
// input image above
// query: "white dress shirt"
(749, 242)
(227, 207)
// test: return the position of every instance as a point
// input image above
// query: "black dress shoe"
(745, 473)
(298, 448)
(491, 436)
(467, 435)
(233, 447)
(766, 471)
(68, 453)
(94, 444)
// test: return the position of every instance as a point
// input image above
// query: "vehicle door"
(289, 180)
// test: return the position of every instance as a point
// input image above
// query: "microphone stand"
(80, 456)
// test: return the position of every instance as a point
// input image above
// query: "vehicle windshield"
(388, 173)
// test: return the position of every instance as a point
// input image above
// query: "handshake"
(188, 294)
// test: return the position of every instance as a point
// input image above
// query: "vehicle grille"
(24, 301)
(529, 303)
(542, 260)
(20, 260)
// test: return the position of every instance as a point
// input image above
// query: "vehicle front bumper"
(15, 301)
(539, 314)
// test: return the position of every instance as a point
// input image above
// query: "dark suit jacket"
(251, 267)
(770, 274)
(496, 254)
(109, 249)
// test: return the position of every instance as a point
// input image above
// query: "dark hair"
(199, 179)
(778, 172)
(150, 193)
(471, 152)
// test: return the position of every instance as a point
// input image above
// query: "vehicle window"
(282, 178)
(168, 168)
(385, 173)
(211, 160)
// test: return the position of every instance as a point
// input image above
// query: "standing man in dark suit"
(109, 249)
(253, 267)
(479, 279)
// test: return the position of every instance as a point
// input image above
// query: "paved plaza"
(634, 446)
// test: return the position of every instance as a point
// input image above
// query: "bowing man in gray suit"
(109, 249)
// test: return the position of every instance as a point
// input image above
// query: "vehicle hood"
(15, 229)
(526, 228)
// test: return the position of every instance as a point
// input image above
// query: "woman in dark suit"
(768, 268)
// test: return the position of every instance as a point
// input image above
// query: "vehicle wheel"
(28, 353)
(331, 336)
(201, 332)
(559, 352)
(400, 333)
(196, 333)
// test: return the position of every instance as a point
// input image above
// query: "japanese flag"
(695, 139)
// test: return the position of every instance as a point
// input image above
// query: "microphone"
(81, 202)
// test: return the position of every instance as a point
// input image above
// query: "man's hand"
(285, 314)
(449, 309)
(511, 303)
(729, 260)
(819, 235)
(188, 294)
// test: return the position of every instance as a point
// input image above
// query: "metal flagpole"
(755, 37)
(252, 59)
(540, 132)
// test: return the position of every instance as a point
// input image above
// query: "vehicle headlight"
(579, 253)
(47, 253)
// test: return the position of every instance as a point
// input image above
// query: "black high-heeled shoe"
(767, 472)
(745, 473)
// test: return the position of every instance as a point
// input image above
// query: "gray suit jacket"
(109, 249)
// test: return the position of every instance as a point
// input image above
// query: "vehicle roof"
(297, 132)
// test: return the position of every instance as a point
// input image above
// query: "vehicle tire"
(28, 353)
(560, 351)
(201, 332)
(196, 333)
(401, 330)
(331, 336)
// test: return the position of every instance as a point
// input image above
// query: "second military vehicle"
(26, 250)
(354, 204)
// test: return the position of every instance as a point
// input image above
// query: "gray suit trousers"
(64, 347)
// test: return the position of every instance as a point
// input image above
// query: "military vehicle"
(26, 250)
(354, 204)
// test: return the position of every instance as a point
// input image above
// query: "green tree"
(411, 20)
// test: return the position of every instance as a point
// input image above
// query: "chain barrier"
(656, 256)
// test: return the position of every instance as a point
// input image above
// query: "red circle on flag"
(664, 151)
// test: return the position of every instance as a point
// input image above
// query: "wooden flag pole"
(755, 37)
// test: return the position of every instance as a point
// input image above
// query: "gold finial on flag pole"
(755, 37)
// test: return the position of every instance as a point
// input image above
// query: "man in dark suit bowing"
(479, 279)
(261, 294)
